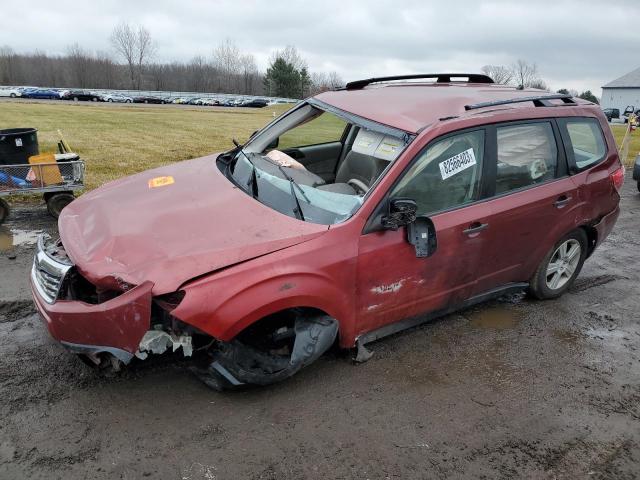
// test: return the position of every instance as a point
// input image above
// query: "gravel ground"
(510, 389)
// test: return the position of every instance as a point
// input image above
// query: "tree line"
(130, 64)
(523, 74)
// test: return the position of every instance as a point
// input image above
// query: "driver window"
(445, 175)
(324, 128)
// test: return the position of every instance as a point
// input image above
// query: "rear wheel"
(13, 95)
(4, 211)
(560, 266)
(57, 201)
(75, 99)
(639, 185)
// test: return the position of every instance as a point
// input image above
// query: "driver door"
(445, 182)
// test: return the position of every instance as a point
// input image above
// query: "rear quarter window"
(587, 141)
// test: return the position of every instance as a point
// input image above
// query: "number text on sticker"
(457, 163)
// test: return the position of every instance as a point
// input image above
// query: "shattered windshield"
(315, 165)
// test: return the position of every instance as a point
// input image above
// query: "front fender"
(224, 304)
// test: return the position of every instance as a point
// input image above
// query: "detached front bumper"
(115, 326)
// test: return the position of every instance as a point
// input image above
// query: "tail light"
(617, 178)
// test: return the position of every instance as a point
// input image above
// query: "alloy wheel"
(563, 263)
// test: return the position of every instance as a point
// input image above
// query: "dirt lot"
(514, 388)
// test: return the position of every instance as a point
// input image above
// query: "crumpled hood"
(127, 231)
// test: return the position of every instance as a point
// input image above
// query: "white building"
(622, 92)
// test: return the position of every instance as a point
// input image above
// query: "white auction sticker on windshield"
(457, 163)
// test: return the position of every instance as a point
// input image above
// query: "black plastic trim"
(439, 77)
(411, 322)
(538, 101)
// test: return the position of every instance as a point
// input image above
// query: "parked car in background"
(80, 95)
(148, 99)
(611, 113)
(211, 102)
(356, 214)
(41, 93)
(115, 98)
(10, 92)
(255, 103)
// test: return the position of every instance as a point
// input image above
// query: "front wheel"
(639, 185)
(57, 201)
(13, 95)
(560, 266)
(4, 210)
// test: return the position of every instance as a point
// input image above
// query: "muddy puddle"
(13, 237)
(500, 317)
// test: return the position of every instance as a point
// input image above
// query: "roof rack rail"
(538, 101)
(440, 78)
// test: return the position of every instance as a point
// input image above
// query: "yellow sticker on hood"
(161, 181)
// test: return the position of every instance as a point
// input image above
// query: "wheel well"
(260, 330)
(592, 238)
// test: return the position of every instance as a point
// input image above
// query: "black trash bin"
(17, 145)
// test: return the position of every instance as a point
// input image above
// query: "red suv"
(356, 214)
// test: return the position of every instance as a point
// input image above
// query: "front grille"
(48, 273)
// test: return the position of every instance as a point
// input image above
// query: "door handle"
(475, 227)
(562, 201)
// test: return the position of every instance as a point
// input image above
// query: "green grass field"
(116, 141)
(634, 144)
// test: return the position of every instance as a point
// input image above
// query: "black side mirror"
(401, 212)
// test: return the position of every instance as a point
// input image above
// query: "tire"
(639, 185)
(146, 101)
(541, 285)
(110, 100)
(4, 211)
(57, 201)
(94, 99)
(75, 99)
(128, 101)
(13, 95)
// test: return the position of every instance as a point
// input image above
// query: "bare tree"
(539, 84)
(136, 47)
(525, 74)
(79, 65)
(8, 66)
(335, 81)
(249, 72)
(226, 59)
(499, 73)
(290, 55)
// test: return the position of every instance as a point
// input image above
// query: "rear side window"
(446, 175)
(586, 140)
(527, 155)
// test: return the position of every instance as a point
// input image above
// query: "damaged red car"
(358, 213)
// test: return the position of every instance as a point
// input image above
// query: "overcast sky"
(578, 44)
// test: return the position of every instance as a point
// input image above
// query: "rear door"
(444, 180)
(533, 200)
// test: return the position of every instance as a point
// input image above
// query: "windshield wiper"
(292, 183)
(253, 179)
